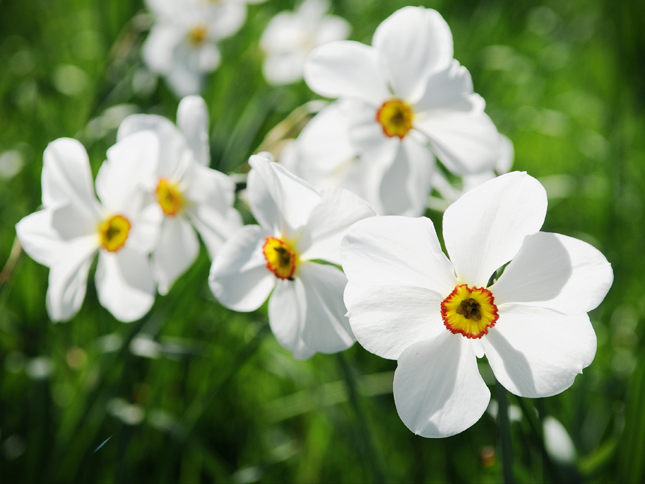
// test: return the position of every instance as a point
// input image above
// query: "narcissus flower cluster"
(153, 186)
(332, 270)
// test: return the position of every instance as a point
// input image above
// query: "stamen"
(470, 312)
(169, 197)
(395, 116)
(114, 232)
(197, 35)
(281, 258)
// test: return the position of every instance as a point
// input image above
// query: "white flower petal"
(227, 19)
(485, 228)
(68, 278)
(463, 136)
(322, 147)
(388, 319)
(329, 222)
(176, 250)
(346, 69)
(536, 352)
(406, 183)
(157, 50)
(183, 78)
(172, 145)
(192, 120)
(130, 165)
(284, 68)
(208, 58)
(396, 251)
(413, 43)
(278, 199)
(214, 225)
(145, 227)
(366, 134)
(332, 28)
(287, 309)
(38, 238)
(124, 284)
(445, 88)
(67, 179)
(556, 272)
(438, 390)
(326, 328)
(239, 278)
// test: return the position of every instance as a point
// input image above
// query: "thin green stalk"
(536, 430)
(504, 425)
(365, 435)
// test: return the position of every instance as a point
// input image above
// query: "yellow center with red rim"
(197, 35)
(395, 117)
(281, 257)
(468, 311)
(169, 197)
(113, 232)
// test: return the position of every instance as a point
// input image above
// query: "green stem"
(505, 434)
(364, 432)
(536, 430)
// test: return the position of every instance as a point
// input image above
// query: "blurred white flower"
(298, 226)
(185, 190)
(409, 100)
(291, 36)
(450, 193)
(407, 301)
(182, 45)
(74, 226)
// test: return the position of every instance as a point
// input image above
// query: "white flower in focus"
(182, 45)
(291, 36)
(74, 226)
(298, 226)
(436, 316)
(410, 101)
(185, 191)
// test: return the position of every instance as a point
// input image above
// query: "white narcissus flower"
(182, 45)
(291, 36)
(73, 226)
(298, 226)
(184, 190)
(406, 301)
(410, 100)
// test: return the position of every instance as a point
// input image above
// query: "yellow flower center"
(281, 257)
(395, 116)
(169, 197)
(114, 232)
(197, 35)
(469, 311)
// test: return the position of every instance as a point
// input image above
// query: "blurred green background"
(197, 393)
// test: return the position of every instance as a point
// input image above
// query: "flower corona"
(395, 116)
(169, 197)
(470, 312)
(114, 232)
(281, 257)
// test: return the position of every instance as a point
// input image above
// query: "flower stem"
(364, 433)
(505, 434)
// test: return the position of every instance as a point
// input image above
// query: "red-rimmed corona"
(468, 311)
(395, 116)
(282, 259)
